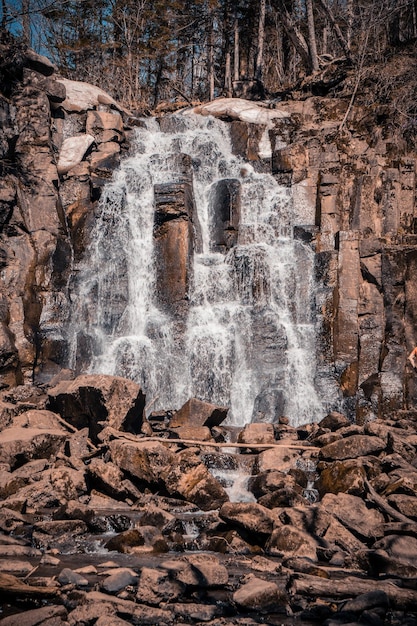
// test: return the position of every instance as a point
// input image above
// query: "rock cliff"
(354, 192)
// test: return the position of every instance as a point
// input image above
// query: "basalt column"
(176, 236)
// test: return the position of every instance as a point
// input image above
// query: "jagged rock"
(366, 601)
(405, 504)
(96, 399)
(196, 612)
(352, 447)
(153, 515)
(195, 433)
(50, 615)
(155, 586)
(38, 62)
(9, 484)
(260, 595)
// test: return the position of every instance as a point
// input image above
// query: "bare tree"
(312, 43)
(261, 40)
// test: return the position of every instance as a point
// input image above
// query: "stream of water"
(249, 338)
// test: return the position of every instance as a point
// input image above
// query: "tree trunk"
(261, 40)
(4, 15)
(210, 58)
(312, 43)
(345, 45)
(236, 68)
(349, 11)
(295, 36)
(26, 22)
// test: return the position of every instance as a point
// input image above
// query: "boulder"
(156, 586)
(198, 413)
(82, 96)
(20, 445)
(352, 447)
(147, 461)
(73, 151)
(95, 400)
(353, 513)
(282, 459)
(250, 516)
(50, 615)
(405, 504)
(287, 540)
(239, 109)
(342, 476)
(257, 433)
(190, 479)
(334, 421)
(198, 570)
(143, 539)
(119, 579)
(260, 595)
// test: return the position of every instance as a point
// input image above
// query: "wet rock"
(260, 595)
(155, 586)
(57, 534)
(287, 540)
(98, 604)
(143, 539)
(198, 413)
(119, 579)
(50, 615)
(69, 577)
(352, 447)
(252, 517)
(195, 612)
(95, 400)
(10, 519)
(155, 516)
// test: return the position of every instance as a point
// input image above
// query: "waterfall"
(247, 338)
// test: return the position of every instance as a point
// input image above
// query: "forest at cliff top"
(148, 53)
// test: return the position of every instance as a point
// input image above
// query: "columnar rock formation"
(354, 200)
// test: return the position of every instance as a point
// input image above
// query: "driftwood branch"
(215, 444)
(384, 506)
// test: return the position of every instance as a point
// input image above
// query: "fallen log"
(350, 587)
(10, 585)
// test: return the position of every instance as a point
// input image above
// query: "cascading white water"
(249, 338)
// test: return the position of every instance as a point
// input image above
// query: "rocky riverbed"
(109, 517)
